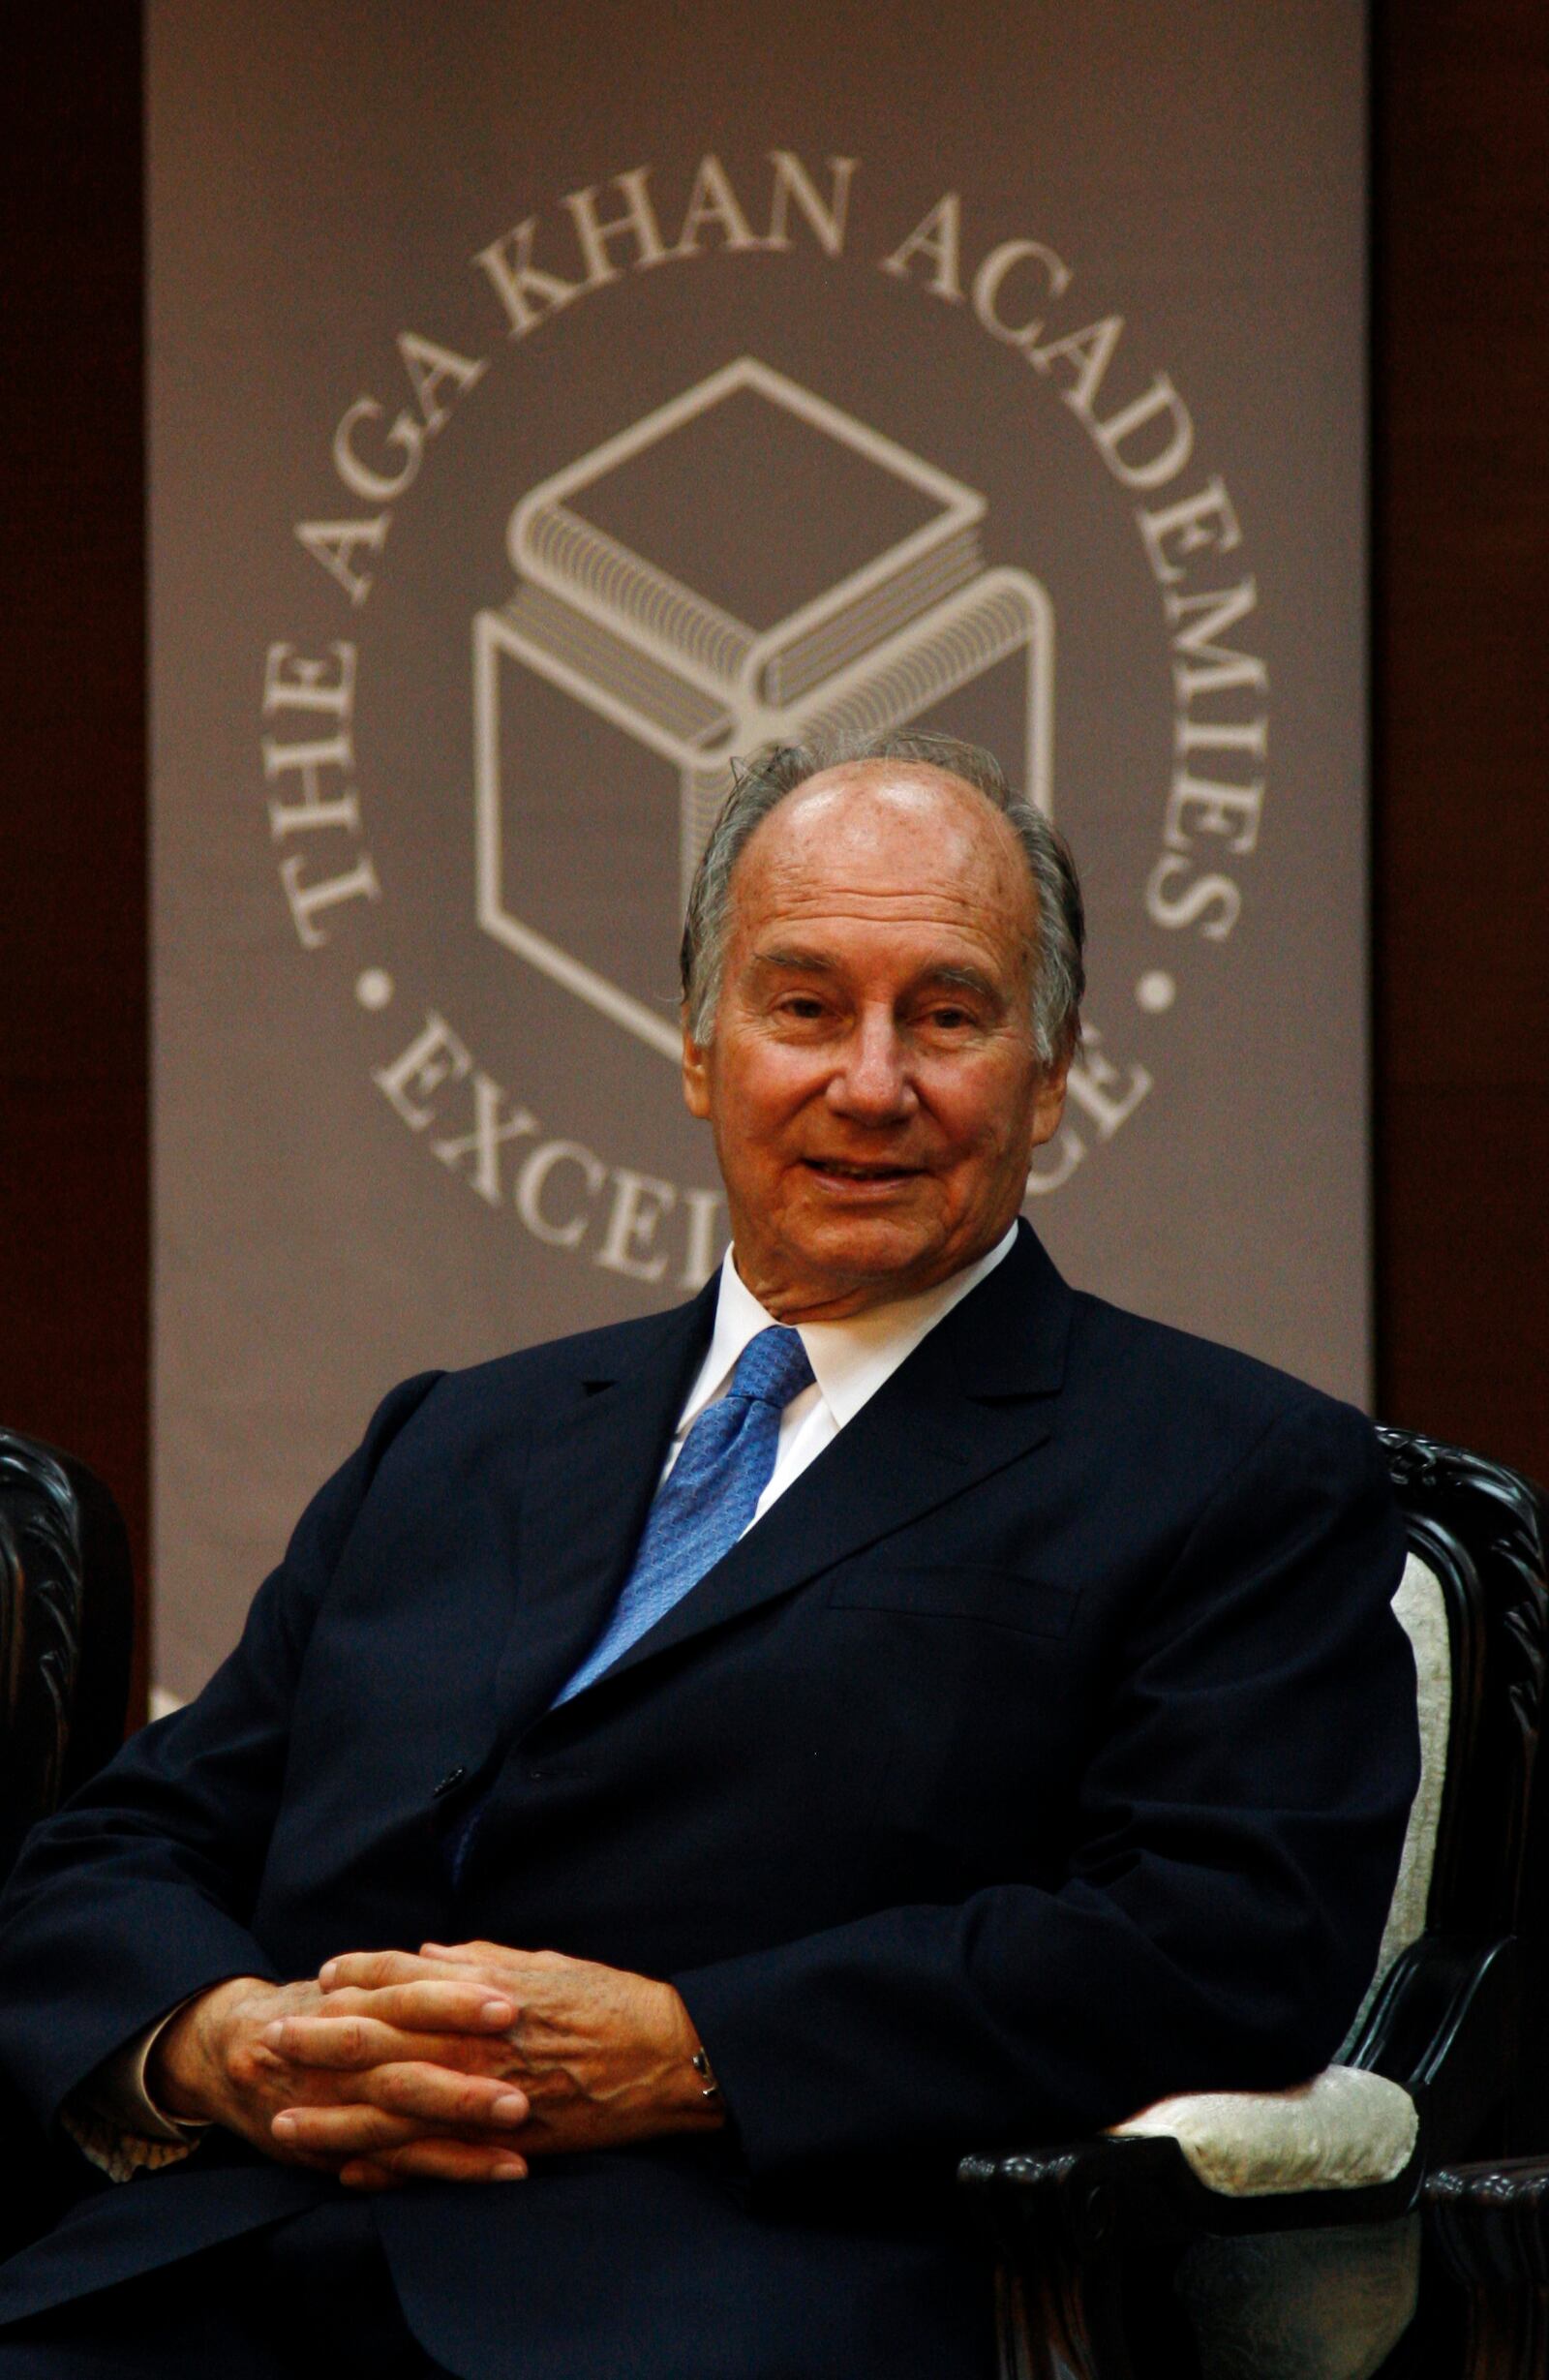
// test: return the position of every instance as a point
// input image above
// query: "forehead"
(885, 839)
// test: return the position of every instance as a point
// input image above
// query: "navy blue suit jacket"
(1045, 1748)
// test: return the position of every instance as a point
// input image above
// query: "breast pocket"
(964, 1591)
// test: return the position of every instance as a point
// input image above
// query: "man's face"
(873, 1082)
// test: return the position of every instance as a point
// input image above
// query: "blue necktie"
(710, 1495)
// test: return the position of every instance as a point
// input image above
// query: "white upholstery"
(1346, 2130)
(1421, 1608)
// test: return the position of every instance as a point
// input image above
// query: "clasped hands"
(457, 2064)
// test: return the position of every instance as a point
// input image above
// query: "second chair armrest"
(1079, 2229)
(1346, 2129)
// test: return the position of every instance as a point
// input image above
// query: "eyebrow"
(798, 961)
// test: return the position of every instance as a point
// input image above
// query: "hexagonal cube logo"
(747, 564)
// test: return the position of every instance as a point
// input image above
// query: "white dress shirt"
(850, 1361)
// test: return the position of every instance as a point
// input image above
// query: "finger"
(345, 2044)
(474, 1954)
(319, 2046)
(411, 2097)
(353, 2045)
(316, 2135)
(365, 2174)
(438, 2003)
(350, 2042)
(441, 2096)
(433, 2160)
(331, 2136)
(369, 1969)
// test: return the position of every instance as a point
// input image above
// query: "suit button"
(453, 1777)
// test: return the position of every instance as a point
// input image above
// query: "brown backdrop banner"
(548, 403)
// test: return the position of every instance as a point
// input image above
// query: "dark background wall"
(1461, 231)
(75, 1247)
(1461, 818)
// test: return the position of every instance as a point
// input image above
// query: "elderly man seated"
(686, 1784)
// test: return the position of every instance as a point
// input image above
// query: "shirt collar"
(850, 1359)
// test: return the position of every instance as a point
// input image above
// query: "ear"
(696, 1078)
(1049, 1105)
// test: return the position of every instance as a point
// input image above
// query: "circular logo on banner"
(693, 464)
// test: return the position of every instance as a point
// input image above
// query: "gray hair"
(761, 784)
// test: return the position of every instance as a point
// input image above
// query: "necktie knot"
(773, 1367)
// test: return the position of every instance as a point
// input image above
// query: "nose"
(871, 1084)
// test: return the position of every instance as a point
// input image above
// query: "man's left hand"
(602, 2055)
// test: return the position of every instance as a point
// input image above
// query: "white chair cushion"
(1346, 2130)
(1420, 1607)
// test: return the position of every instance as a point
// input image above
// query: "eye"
(951, 1019)
(805, 1007)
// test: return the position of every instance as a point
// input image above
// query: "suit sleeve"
(1238, 1834)
(136, 1893)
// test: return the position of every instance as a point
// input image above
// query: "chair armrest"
(1145, 2186)
(1078, 2229)
(1346, 2129)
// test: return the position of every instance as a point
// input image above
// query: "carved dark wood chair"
(66, 1623)
(1189, 2247)
(1489, 2226)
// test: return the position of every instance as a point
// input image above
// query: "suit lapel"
(589, 1486)
(976, 1394)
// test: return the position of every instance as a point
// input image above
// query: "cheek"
(769, 1093)
(992, 1137)
(986, 1119)
(751, 1141)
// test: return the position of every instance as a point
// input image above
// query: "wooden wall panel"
(73, 1161)
(1461, 667)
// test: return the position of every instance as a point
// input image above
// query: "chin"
(878, 1251)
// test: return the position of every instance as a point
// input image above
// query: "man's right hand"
(212, 2064)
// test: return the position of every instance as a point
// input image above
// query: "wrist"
(708, 2088)
(185, 2071)
(695, 2092)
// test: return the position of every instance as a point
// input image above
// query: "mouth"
(856, 1173)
